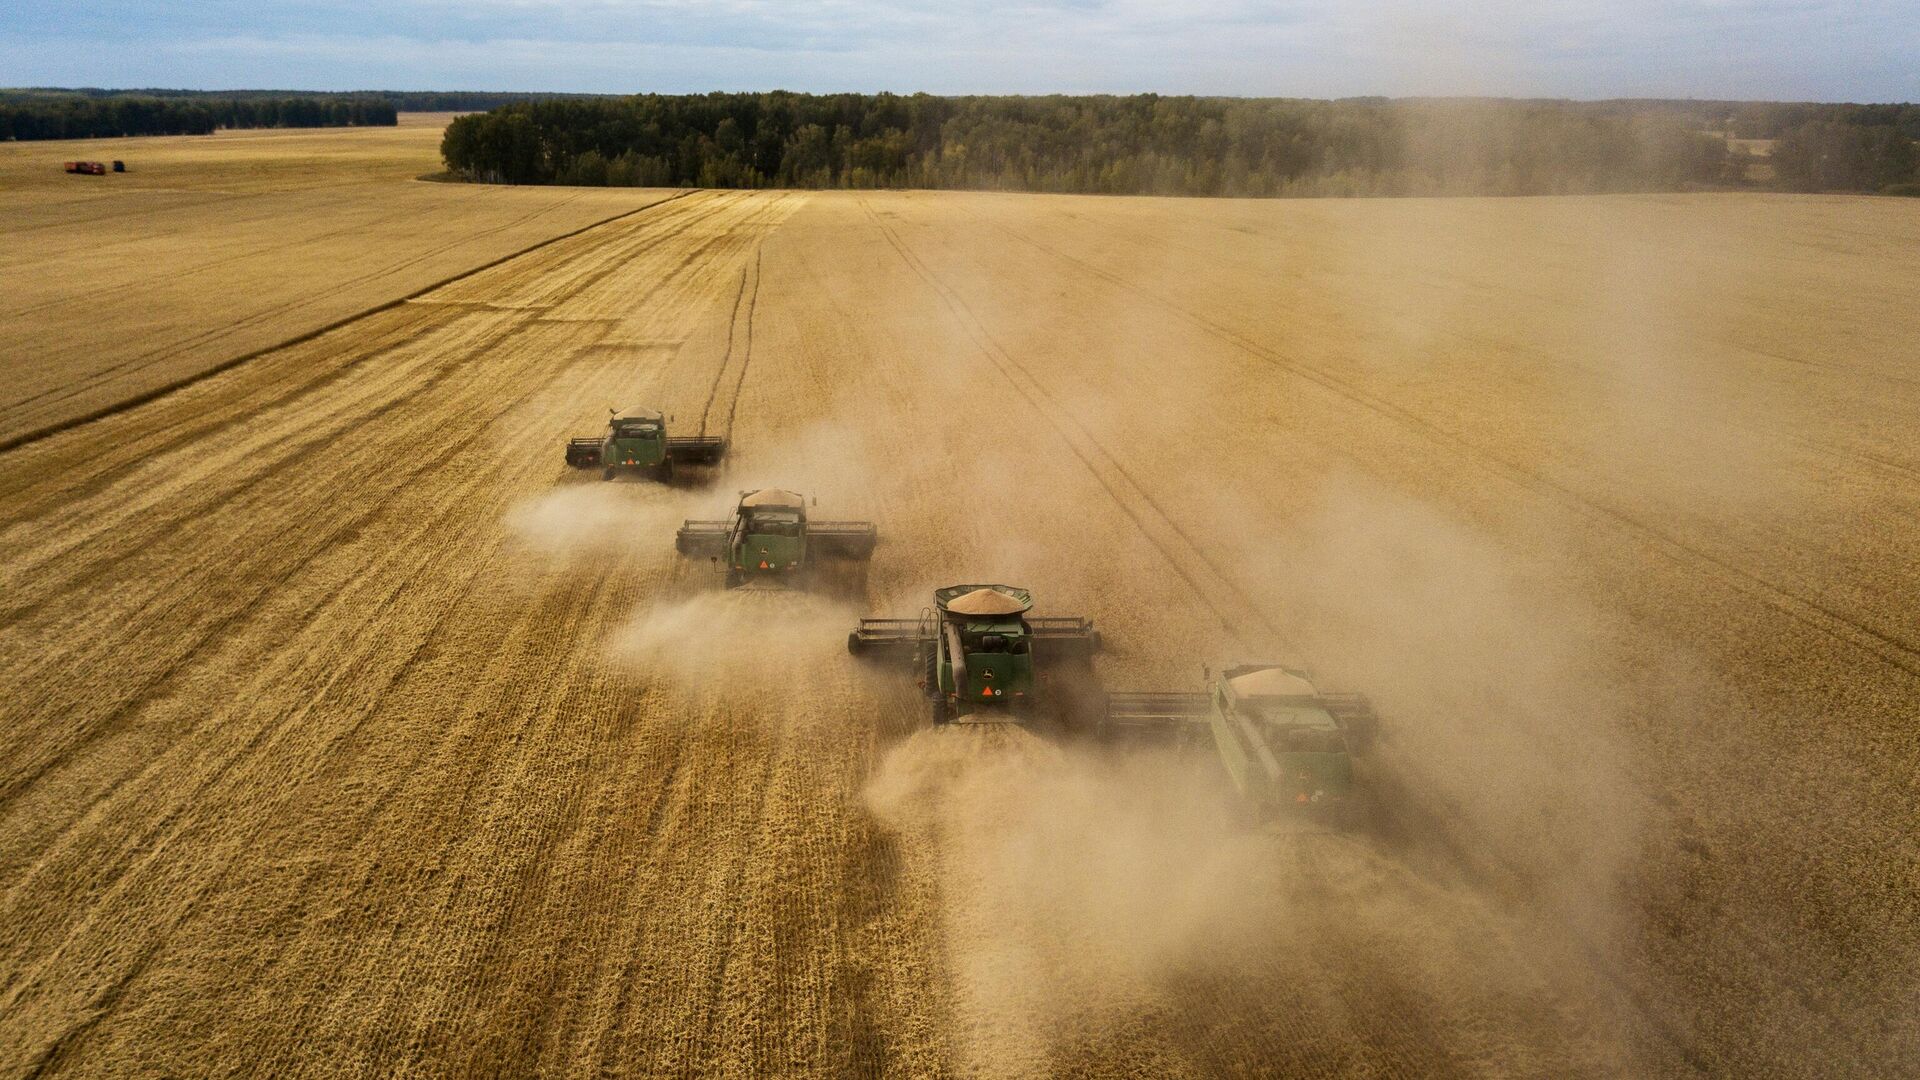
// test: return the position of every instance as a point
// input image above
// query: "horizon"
(1821, 51)
(375, 91)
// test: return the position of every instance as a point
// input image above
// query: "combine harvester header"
(636, 441)
(1286, 747)
(770, 537)
(980, 656)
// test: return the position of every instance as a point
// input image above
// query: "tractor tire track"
(746, 356)
(726, 357)
(371, 226)
(1895, 651)
(413, 807)
(749, 293)
(152, 356)
(51, 587)
(1226, 601)
(15, 441)
(1482, 862)
(344, 716)
(1247, 623)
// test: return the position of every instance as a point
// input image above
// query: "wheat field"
(213, 247)
(347, 731)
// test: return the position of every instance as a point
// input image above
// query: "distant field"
(344, 729)
(210, 247)
(1758, 171)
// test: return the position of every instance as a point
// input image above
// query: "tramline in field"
(980, 656)
(636, 441)
(769, 538)
(1285, 746)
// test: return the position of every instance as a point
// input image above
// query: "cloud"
(1318, 48)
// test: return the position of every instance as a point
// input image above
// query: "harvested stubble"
(214, 247)
(337, 741)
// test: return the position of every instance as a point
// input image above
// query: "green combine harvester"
(770, 539)
(1286, 747)
(981, 658)
(636, 442)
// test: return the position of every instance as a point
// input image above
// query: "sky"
(1818, 50)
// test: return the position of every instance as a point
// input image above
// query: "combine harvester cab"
(636, 441)
(1286, 748)
(981, 658)
(771, 539)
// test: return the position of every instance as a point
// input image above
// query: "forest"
(81, 114)
(467, 100)
(1150, 144)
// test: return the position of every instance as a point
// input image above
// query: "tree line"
(80, 114)
(1837, 155)
(466, 100)
(1149, 144)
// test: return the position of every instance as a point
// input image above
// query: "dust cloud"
(1083, 890)
(690, 633)
(1504, 769)
(1495, 677)
(831, 459)
(741, 642)
(593, 520)
(1066, 893)
(1104, 908)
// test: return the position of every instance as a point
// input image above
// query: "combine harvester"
(981, 657)
(1286, 747)
(636, 441)
(770, 539)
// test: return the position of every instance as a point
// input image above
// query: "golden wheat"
(346, 730)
